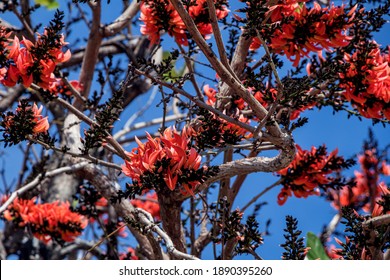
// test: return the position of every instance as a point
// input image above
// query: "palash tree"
(225, 111)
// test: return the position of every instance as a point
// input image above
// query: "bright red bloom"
(168, 155)
(368, 185)
(160, 15)
(309, 30)
(371, 67)
(308, 171)
(46, 220)
(28, 65)
(41, 124)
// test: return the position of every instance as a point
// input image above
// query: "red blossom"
(309, 30)
(366, 82)
(41, 124)
(171, 147)
(368, 189)
(27, 65)
(46, 220)
(159, 16)
(308, 171)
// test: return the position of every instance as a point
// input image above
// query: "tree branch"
(39, 178)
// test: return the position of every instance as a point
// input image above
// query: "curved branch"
(147, 220)
(38, 179)
(123, 20)
(251, 165)
(124, 208)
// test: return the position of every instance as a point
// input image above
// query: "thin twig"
(255, 198)
(218, 37)
(196, 101)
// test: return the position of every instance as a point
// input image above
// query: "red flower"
(372, 69)
(367, 185)
(160, 15)
(41, 124)
(168, 155)
(27, 64)
(46, 220)
(307, 172)
(323, 28)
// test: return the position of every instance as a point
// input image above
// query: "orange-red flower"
(368, 185)
(47, 221)
(308, 30)
(308, 171)
(26, 64)
(40, 123)
(371, 95)
(160, 15)
(168, 155)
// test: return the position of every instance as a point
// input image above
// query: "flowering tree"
(91, 185)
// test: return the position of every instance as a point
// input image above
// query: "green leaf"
(49, 4)
(174, 73)
(317, 251)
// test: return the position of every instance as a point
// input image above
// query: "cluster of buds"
(27, 120)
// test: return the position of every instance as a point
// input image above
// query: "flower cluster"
(47, 221)
(308, 171)
(368, 185)
(27, 120)
(303, 29)
(27, 62)
(148, 203)
(160, 15)
(165, 160)
(366, 82)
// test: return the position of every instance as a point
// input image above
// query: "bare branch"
(123, 20)
(38, 179)
(145, 218)
(91, 53)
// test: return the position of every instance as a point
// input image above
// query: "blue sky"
(336, 131)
